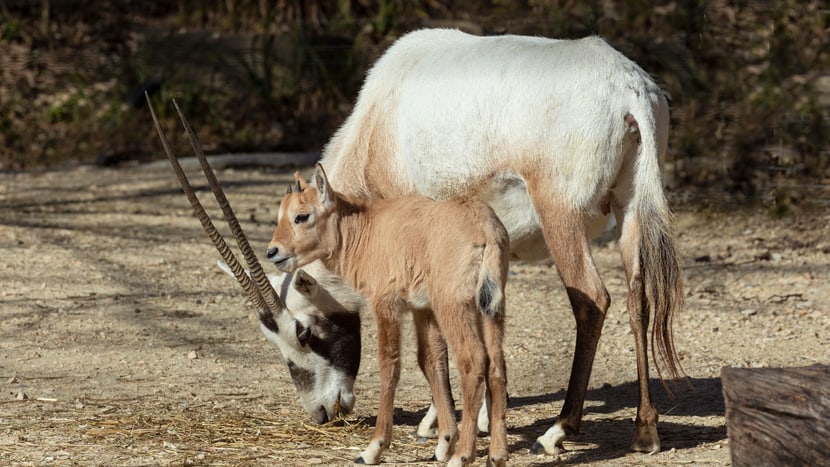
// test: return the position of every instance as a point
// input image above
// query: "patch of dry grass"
(150, 431)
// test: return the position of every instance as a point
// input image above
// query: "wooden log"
(778, 416)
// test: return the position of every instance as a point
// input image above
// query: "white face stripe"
(281, 212)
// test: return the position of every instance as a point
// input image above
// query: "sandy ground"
(122, 344)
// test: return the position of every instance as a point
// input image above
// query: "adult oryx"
(555, 135)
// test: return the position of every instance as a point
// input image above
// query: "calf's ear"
(321, 183)
(301, 184)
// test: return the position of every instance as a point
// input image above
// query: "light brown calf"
(446, 262)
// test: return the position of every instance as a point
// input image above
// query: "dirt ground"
(122, 344)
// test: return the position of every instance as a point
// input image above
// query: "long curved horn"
(265, 311)
(257, 273)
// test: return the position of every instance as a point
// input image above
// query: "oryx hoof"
(646, 439)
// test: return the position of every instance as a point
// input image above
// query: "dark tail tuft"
(486, 296)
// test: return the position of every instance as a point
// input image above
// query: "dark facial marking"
(303, 379)
(341, 347)
(267, 320)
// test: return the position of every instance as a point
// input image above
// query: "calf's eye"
(301, 218)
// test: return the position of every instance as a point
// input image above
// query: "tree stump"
(778, 416)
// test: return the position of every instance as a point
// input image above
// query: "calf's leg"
(389, 337)
(458, 322)
(432, 358)
(493, 330)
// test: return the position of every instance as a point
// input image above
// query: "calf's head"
(304, 232)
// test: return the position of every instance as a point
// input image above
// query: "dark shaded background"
(749, 81)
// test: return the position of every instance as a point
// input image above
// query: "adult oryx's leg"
(646, 438)
(565, 231)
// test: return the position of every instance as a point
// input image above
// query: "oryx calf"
(446, 262)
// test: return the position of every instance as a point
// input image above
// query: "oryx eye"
(301, 218)
(303, 333)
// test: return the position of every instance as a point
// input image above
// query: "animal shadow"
(692, 397)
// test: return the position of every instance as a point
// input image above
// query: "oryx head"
(319, 339)
(326, 355)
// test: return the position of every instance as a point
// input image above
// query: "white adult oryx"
(555, 135)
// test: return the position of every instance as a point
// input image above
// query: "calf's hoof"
(426, 433)
(445, 447)
(371, 456)
(459, 461)
(497, 461)
(362, 461)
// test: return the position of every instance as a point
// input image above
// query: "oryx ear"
(324, 190)
(301, 184)
(305, 284)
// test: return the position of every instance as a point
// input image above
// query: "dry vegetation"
(122, 344)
